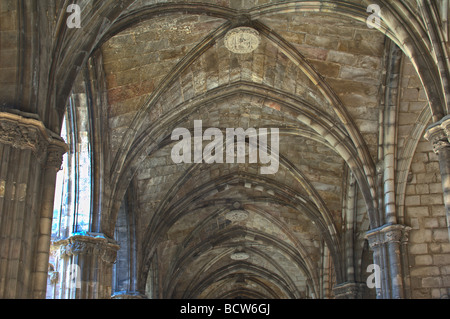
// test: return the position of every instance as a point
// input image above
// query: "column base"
(351, 290)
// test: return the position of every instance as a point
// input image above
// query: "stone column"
(53, 165)
(389, 245)
(438, 134)
(27, 183)
(86, 262)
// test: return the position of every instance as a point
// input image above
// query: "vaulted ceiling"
(351, 103)
(319, 75)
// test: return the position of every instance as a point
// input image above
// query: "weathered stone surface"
(242, 40)
(351, 109)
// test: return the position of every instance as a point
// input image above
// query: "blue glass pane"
(84, 186)
(60, 188)
(72, 206)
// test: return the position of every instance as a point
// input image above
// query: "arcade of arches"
(93, 206)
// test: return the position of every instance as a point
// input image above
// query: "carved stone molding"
(240, 256)
(388, 234)
(242, 40)
(25, 131)
(237, 215)
(55, 155)
(89, 244)
(438, 134)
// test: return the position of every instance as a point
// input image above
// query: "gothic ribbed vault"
(351, 103)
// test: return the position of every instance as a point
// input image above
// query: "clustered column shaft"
(30, 157)
(389, 245)
(438, 134)
(86, 262)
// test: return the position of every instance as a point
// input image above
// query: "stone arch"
(256, 274)
(348, 9)
(183, 208)
(220, 242)
(333, 135)
(293, 250)
(394, 25)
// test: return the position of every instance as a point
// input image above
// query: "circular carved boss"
(242, 40)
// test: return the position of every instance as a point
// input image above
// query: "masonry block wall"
(429, 246)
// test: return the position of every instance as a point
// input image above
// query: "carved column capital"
(388, 234)
(26, 131)
(92, 244)
(55, 153)
(438, 134)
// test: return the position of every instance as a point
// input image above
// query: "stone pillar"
(86, 262)
(389, 246)
(53, 165)
(438, 134)
(30, 156)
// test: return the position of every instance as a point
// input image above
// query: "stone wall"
(429, 246)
